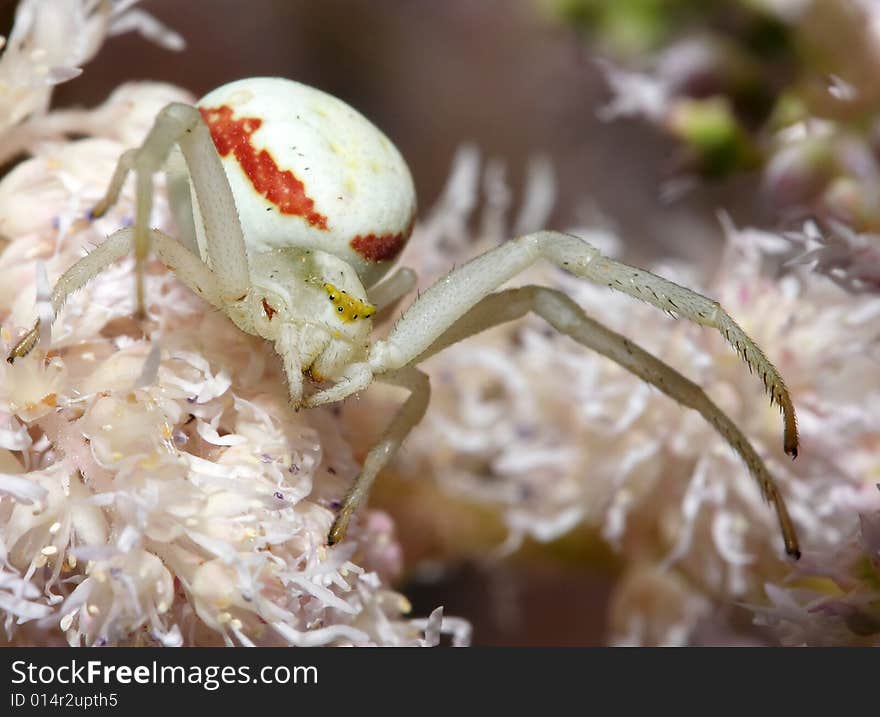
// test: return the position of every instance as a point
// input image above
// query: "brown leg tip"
(336, 534)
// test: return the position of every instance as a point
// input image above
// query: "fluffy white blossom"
(49, 43)
(155, 485)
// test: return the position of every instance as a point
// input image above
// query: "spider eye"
(340, 309)
(332, 298)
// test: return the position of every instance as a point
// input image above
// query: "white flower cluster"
(155, 486)
(821, 174)
(48, 45)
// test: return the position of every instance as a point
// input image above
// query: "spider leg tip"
(96, 212)
(790, 439)
(333, 537)
(338, 529)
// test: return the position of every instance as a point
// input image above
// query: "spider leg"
(451, 297)
(180, 201)
(180, 124)
(561, 312)
(408, 416)
(189, 268)
(114, 189)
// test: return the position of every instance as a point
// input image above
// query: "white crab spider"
(291, 207)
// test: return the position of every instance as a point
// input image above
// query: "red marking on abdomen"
(379, 247)
(281, 187)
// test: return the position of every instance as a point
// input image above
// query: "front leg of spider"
(227, 280)
(225, 251)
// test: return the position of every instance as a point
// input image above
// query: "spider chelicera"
(291, 208)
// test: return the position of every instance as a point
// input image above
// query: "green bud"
(713, 135)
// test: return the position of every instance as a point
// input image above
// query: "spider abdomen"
(309, 171)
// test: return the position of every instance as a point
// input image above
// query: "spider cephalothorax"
(291, 207)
